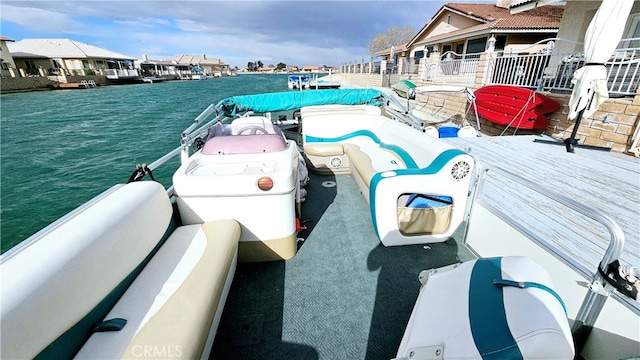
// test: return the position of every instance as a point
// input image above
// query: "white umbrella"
(590, 81)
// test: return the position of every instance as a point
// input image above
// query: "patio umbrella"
(590, 81)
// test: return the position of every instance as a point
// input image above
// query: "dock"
(605, 181)
(84, 84)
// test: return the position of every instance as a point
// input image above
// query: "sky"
(299, 33)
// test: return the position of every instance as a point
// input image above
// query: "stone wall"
(31, 83)
(18, 84)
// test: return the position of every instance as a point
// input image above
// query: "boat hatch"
(244, 138)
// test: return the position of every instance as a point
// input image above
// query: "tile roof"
(491, 18)
(4, 38)
(397, 48)
(198, 59)
(61, 48)
(546, 17)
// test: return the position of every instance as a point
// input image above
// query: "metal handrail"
(594, 299)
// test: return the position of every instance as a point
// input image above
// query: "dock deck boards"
(606, 181)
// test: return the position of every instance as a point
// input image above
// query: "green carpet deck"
(343, 296)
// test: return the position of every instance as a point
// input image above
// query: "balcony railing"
(540, 66)
(548, 70)
(121, 73)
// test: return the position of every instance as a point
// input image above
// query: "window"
(5, 66)
(30, 65)
(429, 50)
(501, 42)
(476, 45)
(633, 32)
(57, 63)
(418, 55)
(448, 19)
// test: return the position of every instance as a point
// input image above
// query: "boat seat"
(499, 308)
(116, 250)
(171, 305)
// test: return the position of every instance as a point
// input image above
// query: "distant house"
(311, 69)
(268, 70)
(6, 59)
(70, 57)
(212, 67)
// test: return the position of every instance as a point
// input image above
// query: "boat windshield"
(244, 138)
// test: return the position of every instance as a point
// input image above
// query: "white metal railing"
(453, 68)
(548, 70)
(120, 73)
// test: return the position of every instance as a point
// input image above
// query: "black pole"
(571, 142)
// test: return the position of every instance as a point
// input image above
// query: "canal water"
(59, 149)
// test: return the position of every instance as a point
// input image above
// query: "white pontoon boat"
(390, 250)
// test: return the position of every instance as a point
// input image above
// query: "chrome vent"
(335, 162)
(460, 170)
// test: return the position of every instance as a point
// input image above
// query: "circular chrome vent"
(460, 170)
(335, 162)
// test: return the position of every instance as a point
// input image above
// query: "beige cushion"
(171, 305)
(361, 162)
(324, 149)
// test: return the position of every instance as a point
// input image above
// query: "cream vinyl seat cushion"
(171, 306)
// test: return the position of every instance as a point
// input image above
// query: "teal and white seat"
(495, 308)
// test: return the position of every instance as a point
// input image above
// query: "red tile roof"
(545, 17)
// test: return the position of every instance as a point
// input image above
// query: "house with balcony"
(462, 31)
(539, 48)
(208, 66)
(66, 57)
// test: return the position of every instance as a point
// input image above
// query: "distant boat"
(153, 79)
(298, 81)
(514, 106)
(323, 84)
(198, 77)
(405, 88)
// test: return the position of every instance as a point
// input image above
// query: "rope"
(140, 171)
(521, 111)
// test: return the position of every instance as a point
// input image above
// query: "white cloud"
(41, 20)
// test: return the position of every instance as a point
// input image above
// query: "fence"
(539, 66)
(548, 70)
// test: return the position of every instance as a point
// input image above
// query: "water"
(59, 149)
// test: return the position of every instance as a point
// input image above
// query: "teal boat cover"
(291, 100)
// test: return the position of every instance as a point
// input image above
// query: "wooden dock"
(606, 181)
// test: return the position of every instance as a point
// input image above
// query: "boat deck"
(606, 181)
(343, 296)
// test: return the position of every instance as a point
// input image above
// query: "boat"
(298, 81)
(153, 79)
(318, 84)
(366, 238)
(514, 106)
(84, 84)
(405, 89)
